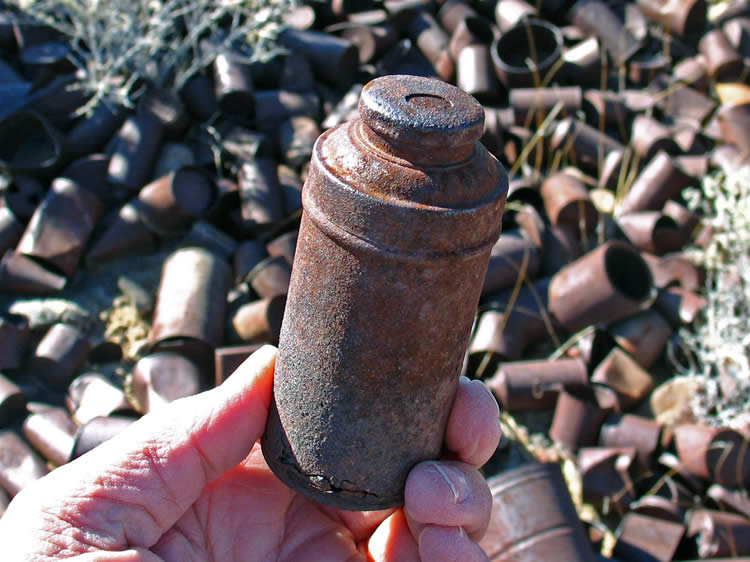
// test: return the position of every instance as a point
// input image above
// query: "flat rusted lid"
(418, 110)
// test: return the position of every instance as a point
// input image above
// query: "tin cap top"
(421, 111)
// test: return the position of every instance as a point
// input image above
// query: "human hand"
(174, 486)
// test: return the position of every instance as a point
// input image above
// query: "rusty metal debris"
(406, 118)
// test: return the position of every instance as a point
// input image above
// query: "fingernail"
(455, 479)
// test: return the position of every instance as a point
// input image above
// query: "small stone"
(671, 401)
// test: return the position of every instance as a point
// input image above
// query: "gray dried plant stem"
(720, 340)
(115, 43)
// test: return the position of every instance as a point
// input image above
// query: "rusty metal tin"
(607, 110)
(191, 303)
(583, 144)
(583, 63)
(474, 30)
(675, 269)
(661, 180)
(97, 431)
(719, 455)
(59, 355)
(92, 133)
(23, 195)
(273, 107)
(166, 106)
(534, 385)
(475, 75)
(640, 537)
(233, 84)
(534, 518)
(161, 378)
(595, 17)
(284, 245)
(681, 102)
(297, 137)
(19, 464)
(506, 331)
(228, 359)
(527, 54)
(334, 60)
(57, 232)
(509, 255)
(648, 136)
(734, 121)
(29, 143)
(204, 234)
(270, 277)
(687, 220)
(628, 430)
(649, 231)
(453, 12)
(605, 285)
(643, 336)
(247, 255)
(687, 17)
(578, 418)
(561, 247)
(567, 202)
(726, 499)
(12, 402)
(127, 234)
(260, 193)
(607, 478)
(679, 306)
(531, 105)
(719, 534)
(134, 152)
(388, 204)
(51, 432)
(508, 13)
(433, 42)
(14, 340)
(667, 499)
(21, 274)
(199, 96)
(692, 71)
(170, 203)
(259, 321)
(723, 62)
(630, 382)
(91, 395)
(737, 31)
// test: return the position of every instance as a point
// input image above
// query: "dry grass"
(118, 44)
(720, 339)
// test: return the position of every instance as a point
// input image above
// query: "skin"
(180, 485)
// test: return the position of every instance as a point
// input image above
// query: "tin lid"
(421, 111)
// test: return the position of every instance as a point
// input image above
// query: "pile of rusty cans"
(603, 112)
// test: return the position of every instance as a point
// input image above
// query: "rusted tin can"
(632, 431)
(21, 274)
(640, 537)
(596, 18)
(644, 336)
(258, 321)
(91, 395)
(607, 477)
(723, 62)
(534, 385)
(19, 464)
(227, 360)
(649, 231)
(606, 285)
(97, 431)
(578, 418)
(720, 455)
(719, 534)
(12, 402)
(534, 518)
(527, 54)
(57, 232)
(161, 378)
(514, 255)
(61, 352)
(630, 382)
(51, 432)
(509, 12)
(401, 211)
(14, 340)
(29, 143)
(683, 18)
(567, 201)
(190, 306)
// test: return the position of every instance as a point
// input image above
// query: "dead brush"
(117, 45)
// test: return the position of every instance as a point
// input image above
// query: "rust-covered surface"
(401, 211)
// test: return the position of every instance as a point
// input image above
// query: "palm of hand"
(175, 486)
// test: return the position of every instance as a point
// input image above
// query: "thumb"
(153, 471)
